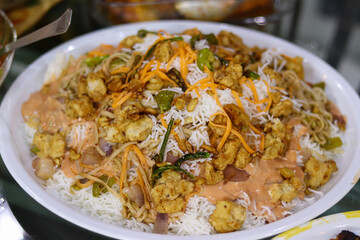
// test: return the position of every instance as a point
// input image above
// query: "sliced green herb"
(142, 33)
(191, 156)
(96, 189)
(176, 77)
(92, 62)
(205, 58)
(319, 85)
(332, 143)
(151, 50)
(164, 99)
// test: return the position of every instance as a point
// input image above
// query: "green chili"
(319, 85)
(159, 158)
(332, 143)
(142, 33)
(205, 57)
(222, 61)
(210, 38)
(164, 99)
(92, 62)
(176, 77)
(99, 188)
(75, 187)
(158, 171)
(151, 50)
(252, 75)
(191, 156)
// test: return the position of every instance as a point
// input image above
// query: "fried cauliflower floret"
(229, 76)
(129, 130)
(128, 42)
(131, 123)
(274, 147)
(212, 176)
(169, 192)
(52, 146)
(285, 191)
(163, 51)
(318, 173)
(81, 107)
(227, 216)
(282, 108)
(275, 136)
(96, 87)
(228, 39)
(226, 155)
(238, 117)
(155, 84)
(243, 158)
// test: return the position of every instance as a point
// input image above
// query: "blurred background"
(328, 28)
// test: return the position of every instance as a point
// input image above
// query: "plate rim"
(103, 227)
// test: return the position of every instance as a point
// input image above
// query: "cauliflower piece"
(318, 173)
(163, 51)
(155, 84)
(128, 42)
(274, 139)
(282, 108)
(212, 176)
(285, 191)
(238, 117)
(229, 76)
(81, 107)
(228, 39)
(227, 216)
(242, 159)
(96, 87)
(169, 192)
(274, 147)
(52, 146)
(226, 155)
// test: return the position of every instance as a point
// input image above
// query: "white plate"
(16, 154)
(324, 228)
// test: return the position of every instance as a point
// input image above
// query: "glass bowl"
(243, 12)
(7, 35)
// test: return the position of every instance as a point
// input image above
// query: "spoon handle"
(55, 28)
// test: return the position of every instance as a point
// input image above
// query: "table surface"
(35, 219)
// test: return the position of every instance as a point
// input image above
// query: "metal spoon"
(55, 28)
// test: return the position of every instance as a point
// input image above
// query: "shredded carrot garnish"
(172, 60)
(183, 65)
(270, 98)
(140, 156)
(121, 101)
(229, 130)
(124, 167)
(160, 74)
(238, 101)
(120, 70)
(96, 53)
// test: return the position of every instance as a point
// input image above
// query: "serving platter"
(16, 155)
